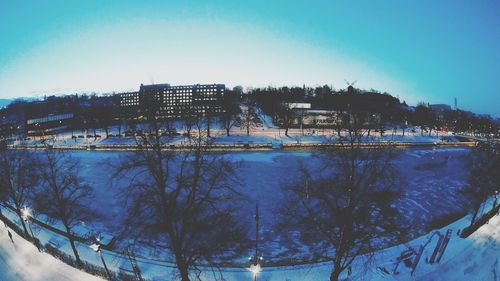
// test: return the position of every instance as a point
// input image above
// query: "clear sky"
(428, 51)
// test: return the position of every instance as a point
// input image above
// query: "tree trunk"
(184, 273)
(228, 127)
(182, 267)
(24, 226)
(474, 215)
(75, 252)
(18, 211)
(73, 247)
(208, 126)
(334, 276)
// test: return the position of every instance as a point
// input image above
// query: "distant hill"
(4, 102)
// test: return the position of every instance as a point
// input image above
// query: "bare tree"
(341, 118)
(287, 116)
(229, 116)
(181, 202)
(248, 118)
(18, 179)
(347, 207)
(484, 179)
(63, 196)
(190, 118)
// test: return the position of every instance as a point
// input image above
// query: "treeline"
(389, 110)
(324, 97)
(381, 110)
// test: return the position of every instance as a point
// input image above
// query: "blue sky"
(428, 51)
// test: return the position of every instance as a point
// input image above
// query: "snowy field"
(267, 133)
(473, 258)
(21, 261)
(429, 178)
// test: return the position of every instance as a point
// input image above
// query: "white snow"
(21, 261)
(473, 258)
(482, 247)
(265, 134)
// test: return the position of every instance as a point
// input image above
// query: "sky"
(430, 51)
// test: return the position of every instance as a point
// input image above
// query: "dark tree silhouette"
(249, 119)
(181, 202)
(484, 179)
(286, 114)
(18, 180)
(345, 209)
(231, 107)
(63, 196)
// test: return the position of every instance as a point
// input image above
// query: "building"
(49, 125)
(129, 99)
(440, 107)
(302, 114)
(440, 110)
(166, 101)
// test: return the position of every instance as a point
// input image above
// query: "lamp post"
(25, 215)
(255, 267)
(96, 246)
(496, 198)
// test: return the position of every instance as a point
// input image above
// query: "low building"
(50, 124)
(440, 107)
(302, 114)
(440, 110)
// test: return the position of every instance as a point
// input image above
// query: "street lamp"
(26, 215)
(255, 267)
(96, 246)
(496, 198)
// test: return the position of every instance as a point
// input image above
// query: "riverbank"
(245, 146)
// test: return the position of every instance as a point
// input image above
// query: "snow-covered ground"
(430, 179)
(473, 258)
(21, 261)
(265, 134)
